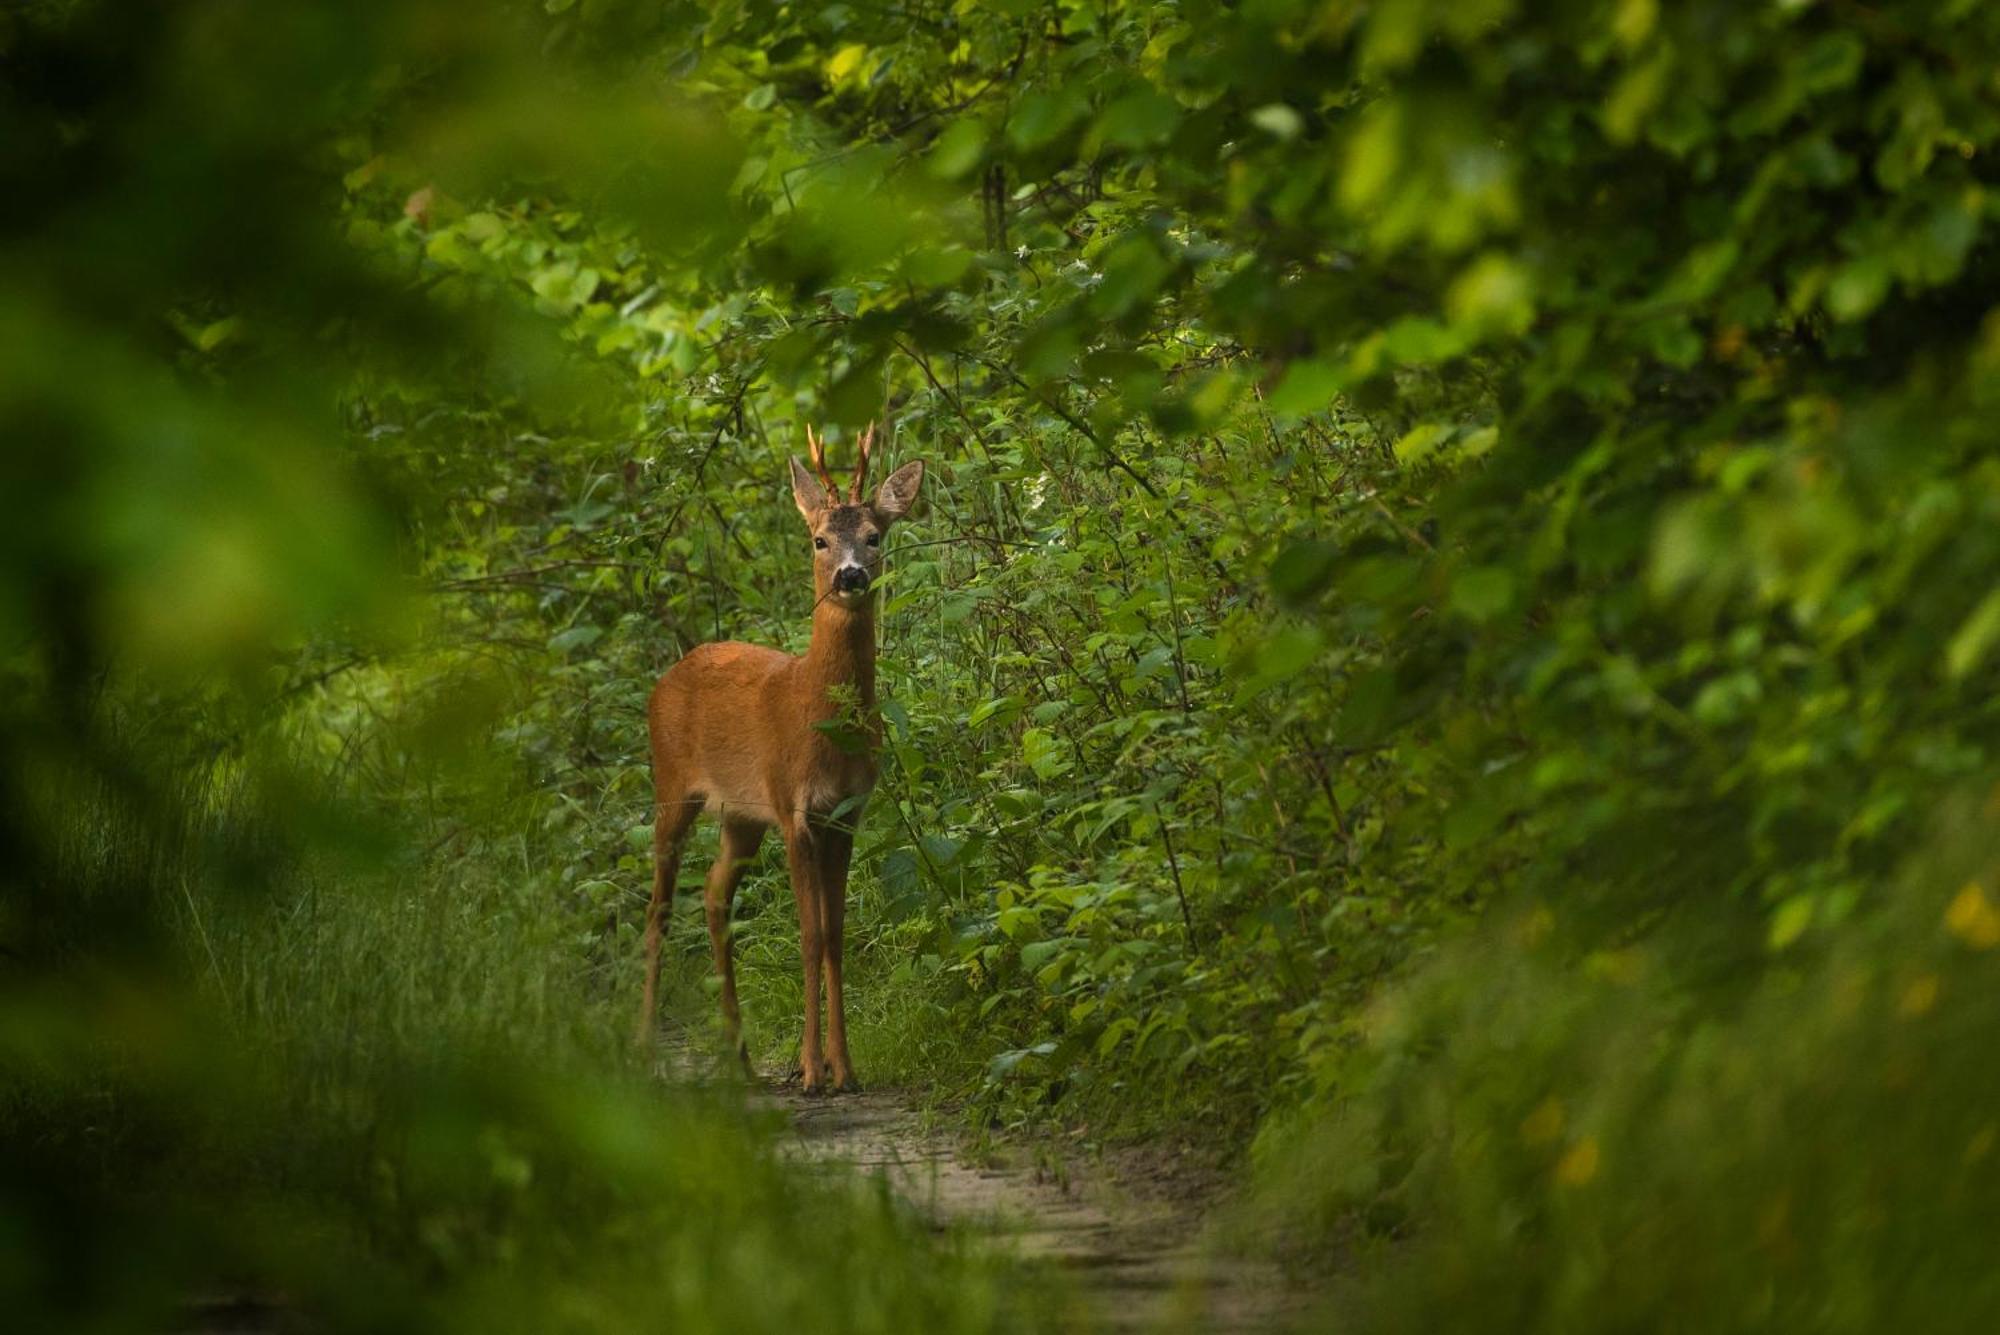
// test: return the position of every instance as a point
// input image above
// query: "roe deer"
(751, 734)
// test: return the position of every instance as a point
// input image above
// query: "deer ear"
(899, 491)
(806, 491)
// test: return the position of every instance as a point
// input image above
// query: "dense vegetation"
(1453, 638)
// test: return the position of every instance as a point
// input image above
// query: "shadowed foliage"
(1450, 637)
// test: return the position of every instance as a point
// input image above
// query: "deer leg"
(739, 846)
(836, 850)
(799, 852)
(671, 819)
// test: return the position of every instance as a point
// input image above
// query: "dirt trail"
(1136, 1263)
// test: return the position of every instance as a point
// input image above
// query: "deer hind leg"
(671, 818)
(836, 851)
(800, 854)
(739, 845)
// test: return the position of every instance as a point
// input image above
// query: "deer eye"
(874, 539)
(820, 543)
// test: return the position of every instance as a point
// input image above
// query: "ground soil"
(1141, 1236)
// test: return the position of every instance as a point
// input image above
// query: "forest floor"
(1139, 1235)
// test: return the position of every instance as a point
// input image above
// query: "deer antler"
(861, 466)
(817, 447)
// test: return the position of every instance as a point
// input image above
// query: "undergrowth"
(376, 1092)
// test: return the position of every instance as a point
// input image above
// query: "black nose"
(850, 579)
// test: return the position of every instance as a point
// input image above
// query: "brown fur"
(732, 730)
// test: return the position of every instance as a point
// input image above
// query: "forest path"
(1135, 1261)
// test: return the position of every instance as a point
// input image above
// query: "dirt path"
(1137, 1263)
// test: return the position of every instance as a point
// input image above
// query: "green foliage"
(1583, 1146)
(385, 1103)
(1386, 460)
(289, 1014)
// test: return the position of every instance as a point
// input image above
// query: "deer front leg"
(799, 852)
(836, 851)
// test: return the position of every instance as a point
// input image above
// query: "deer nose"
(850, 579)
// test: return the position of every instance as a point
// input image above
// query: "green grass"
(901, 1030)
(1534, 1137)
(397, 1094)
(920, 1029)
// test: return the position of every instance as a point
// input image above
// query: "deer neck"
(842, 654)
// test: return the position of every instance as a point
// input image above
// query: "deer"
(768, 740)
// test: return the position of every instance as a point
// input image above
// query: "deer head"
(847, 532)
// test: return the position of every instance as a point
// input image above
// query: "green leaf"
(1287, 653)
(1492, 295)
(1018, 803)
(1369, 708)
(1016, 922)
(1633, 97)
(1308, 386)
(1133, 274)
(1483, 594)
(1040, 118)
(843, 64)
(1975, 638)
(1277, 120)
(1010, 704)
(1039, 953)
(1139, 120)
(958, 152)
(213, 336)
(1115, 1033)
(1832, 61)
(1789, 923)
(1421, 441)
(1303, 568)
(1005, 1063)
(1857, 287)
(937, 266)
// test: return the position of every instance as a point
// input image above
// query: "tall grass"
(1537, 1139)
(375, 1084)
